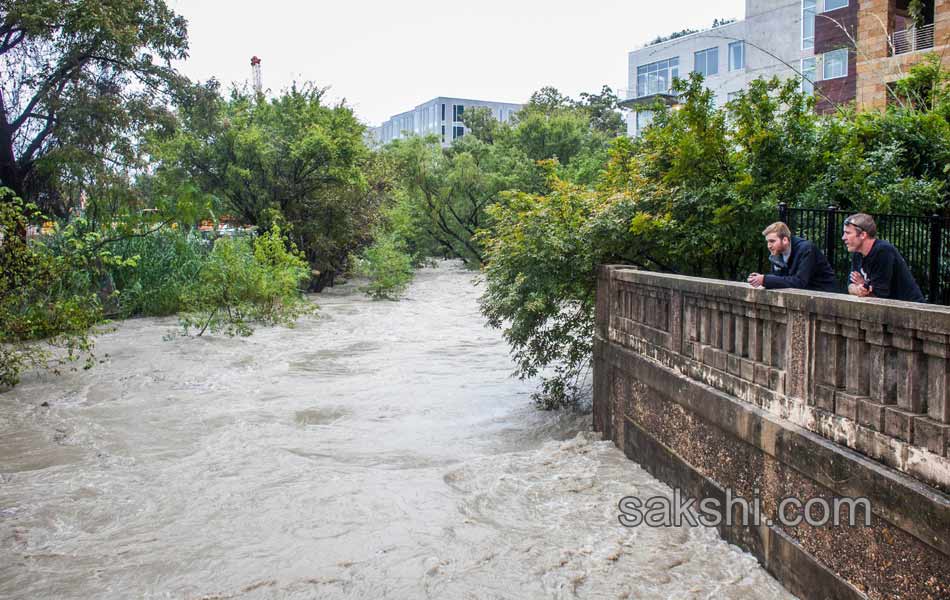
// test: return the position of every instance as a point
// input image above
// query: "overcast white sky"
(387, 57)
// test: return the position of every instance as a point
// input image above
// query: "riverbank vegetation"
(537, 204)
(128, 190)
(691, 194)
(157, 195)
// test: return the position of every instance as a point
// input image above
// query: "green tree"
(481, 123)
(540, 285)
(547, 100)
(691, 195)
(604, 112)
(542, 135)
(926, 87)
(552, 125)
(246, 282)
(81, 80)
(292, 157)
(387, 265)
(446, 192)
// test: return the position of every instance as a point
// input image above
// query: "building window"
(457, 132)
(732, 96)
(644, 118)
(834, 4)
(808, 75)
(808, 24)
(707, 62)
(656, 78)
(834, 64)
(443, 128)
(443, 112)
(736, 56)
(457, 110)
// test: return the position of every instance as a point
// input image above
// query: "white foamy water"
(377, 450)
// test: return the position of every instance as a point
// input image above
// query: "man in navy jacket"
(796, 263)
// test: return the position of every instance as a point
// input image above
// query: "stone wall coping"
(896, 313)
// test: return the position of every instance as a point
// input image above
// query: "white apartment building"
(766, 43)
(441, 116)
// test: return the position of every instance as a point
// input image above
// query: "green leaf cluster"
(247, 282)
(166, 264)
(83, 81)
(49, 301)
(442, 196)
(539, 284)
(290, 157)
(387, 265)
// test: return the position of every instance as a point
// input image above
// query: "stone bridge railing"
(715, 386)
(868, 374)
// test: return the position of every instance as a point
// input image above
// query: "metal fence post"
(783, 212)
(831, 234)
(936, 233)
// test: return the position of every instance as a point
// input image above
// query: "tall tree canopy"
(291, 158)
(81, 78)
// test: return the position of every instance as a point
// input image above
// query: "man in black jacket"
(877, 268)
(796, 263)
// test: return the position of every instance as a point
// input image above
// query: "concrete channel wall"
(717, 389)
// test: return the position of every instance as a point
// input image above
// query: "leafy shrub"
(167, 262)
(387, 265)
(48, 303)
(246, 282)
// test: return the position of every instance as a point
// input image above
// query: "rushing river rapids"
(377, 450)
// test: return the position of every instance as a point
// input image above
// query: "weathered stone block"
(934, 344)
(871, 414)
(912, 380)
(733, 365)
(904, 339)
(864, 443)
(856, 377)
(747, 369)
(776, 381)
(932, 435)
(762, 374)
(938, 390)
(825, 397)
(899, 423)
(882, 375)
(707, 357)
(720, 359)
(846, 405)
(690, 349)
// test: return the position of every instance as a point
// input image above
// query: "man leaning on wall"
(796, 263)
(877, 269)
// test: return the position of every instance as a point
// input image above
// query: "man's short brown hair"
(863, 222)
(778, 228)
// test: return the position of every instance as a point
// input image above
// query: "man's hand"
(857, 278)
(756, 280)
(856, 288)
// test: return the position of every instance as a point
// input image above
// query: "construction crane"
(256, 74)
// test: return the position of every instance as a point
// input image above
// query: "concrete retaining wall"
(712, 385)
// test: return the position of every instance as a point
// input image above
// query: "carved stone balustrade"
(869, 374)
(714, 386)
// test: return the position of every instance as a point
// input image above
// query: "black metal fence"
(924, 242)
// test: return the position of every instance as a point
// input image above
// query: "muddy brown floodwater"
(377, 450)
